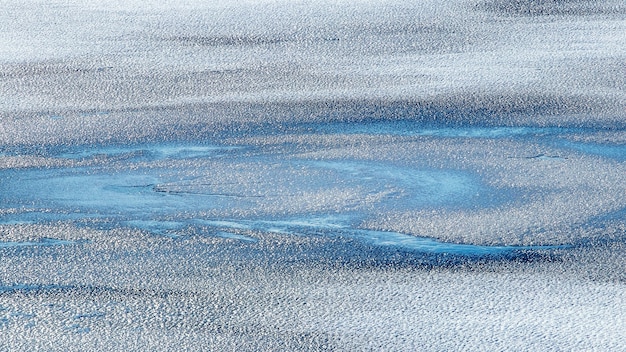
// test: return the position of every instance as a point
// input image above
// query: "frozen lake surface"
(273, 175)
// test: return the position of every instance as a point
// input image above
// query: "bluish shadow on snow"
(28, 288)
(616, 216)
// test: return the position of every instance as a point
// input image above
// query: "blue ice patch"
(41, 242)
(612, 151)
(145, 152)
(176, 201)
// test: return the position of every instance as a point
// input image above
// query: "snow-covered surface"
(321, 175)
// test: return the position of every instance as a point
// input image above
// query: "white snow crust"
(312, 175)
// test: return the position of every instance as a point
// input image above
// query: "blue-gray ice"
(318, 175)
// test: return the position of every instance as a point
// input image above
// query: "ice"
(339, 226)
(220, 188)
(165, 228)
(428, 245)
(42, 242)
(203, 195)
(318, 175)
(411, 128)
(613, 151)
(155, 152)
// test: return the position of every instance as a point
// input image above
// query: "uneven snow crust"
(347, 175)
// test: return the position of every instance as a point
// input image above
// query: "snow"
(320, 175)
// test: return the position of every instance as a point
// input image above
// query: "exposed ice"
(155, 152)
(396, 195)
(613, 151)
(42, 242)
